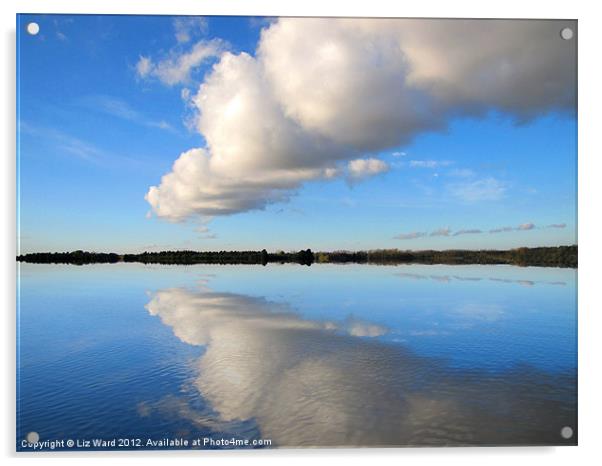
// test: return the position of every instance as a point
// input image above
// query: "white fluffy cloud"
(321, 93)
(254, 154)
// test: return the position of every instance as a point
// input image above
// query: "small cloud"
(177, 66)
(461, 173)
(144, 66)
(362, 168)
(203, 229)
(399, 154)
(188, 27)
(522, 227)
(480, 311)
(413, 235)
(330, 173)
(441, 232)
(429, 163)
(501, 230)
(468, 279)
(441, 278)
(362, 328)
(59, 24)
(413, 276)
(557, 225)
(348, 202)
(161, 125)
(487, 189)
(528, 283)
(473, 231)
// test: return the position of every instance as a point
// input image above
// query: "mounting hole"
(33, 28)
(566, 33)
(33, 437)
(566, 432)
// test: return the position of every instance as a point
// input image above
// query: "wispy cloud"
(446, 231)
(59, 25)
(177, 66)
(205, 233)
(412, 235)
(430, 163)
(526, 226)
(447, 279)
(522, 227)
(64, 142)
(486, 189)
(121, 109)
(185, 28)
(441, 232)
(399, 154)
(79, 148)
(472, 231)
(501, 230)
(461, 173)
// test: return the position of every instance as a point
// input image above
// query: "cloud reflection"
(318, 383)
(448, 279)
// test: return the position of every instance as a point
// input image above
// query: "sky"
(154, 132)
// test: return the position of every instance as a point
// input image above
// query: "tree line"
(558, 256)
(304, 257)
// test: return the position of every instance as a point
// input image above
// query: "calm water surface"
(327, 355)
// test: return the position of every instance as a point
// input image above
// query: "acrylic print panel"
(242, 232)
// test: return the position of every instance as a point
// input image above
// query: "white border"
(590, 156)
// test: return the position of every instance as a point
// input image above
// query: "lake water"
(327, 355)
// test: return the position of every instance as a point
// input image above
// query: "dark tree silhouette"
(560, 256)
(264, 257)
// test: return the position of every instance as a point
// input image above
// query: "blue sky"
(97, 130)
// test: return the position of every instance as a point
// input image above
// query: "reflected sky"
(321, 355)
(320, 383)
